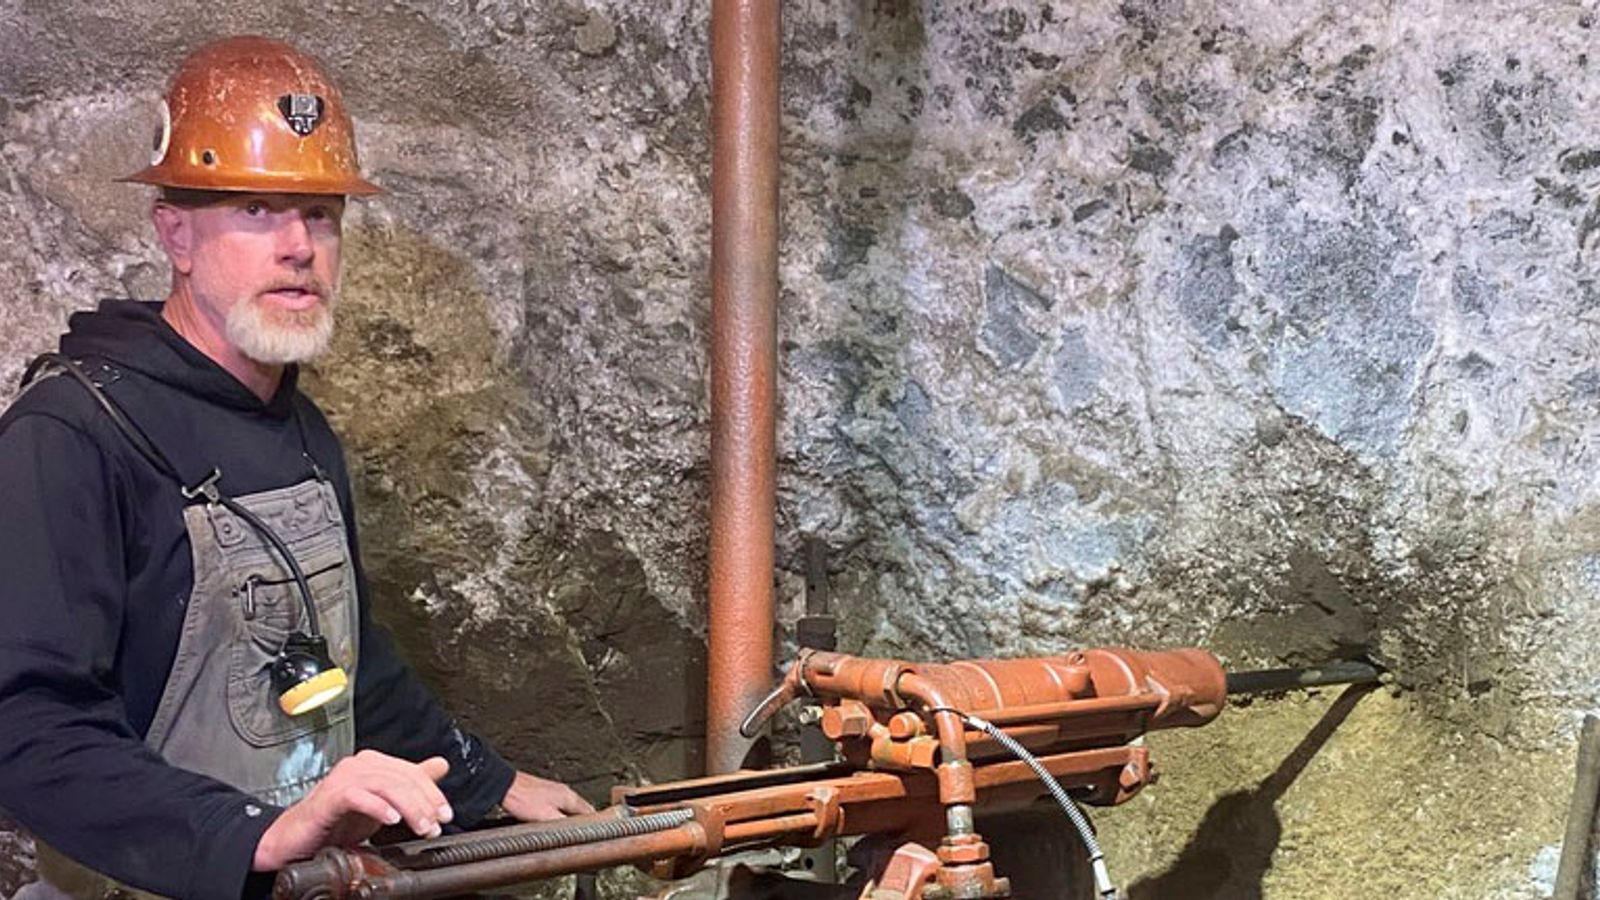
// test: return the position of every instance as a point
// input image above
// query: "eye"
(255, 209)
(328, 214)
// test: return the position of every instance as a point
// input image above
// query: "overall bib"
(219, 714)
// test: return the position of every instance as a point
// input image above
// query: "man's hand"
(534, 799)
(361, 794)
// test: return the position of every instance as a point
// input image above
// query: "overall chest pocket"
(270, 608)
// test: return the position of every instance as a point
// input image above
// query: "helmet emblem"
(302, 111)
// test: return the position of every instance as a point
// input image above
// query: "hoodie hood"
(133, 335)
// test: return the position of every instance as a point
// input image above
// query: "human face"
(264, 269)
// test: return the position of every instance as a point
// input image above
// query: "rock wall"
(1268, 326)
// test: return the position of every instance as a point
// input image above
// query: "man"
(182, 591)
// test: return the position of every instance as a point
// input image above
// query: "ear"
(175, 229)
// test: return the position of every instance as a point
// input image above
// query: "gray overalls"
(218, 714)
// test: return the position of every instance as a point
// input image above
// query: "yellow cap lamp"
(305, 676)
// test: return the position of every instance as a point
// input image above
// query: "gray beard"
(293, 338)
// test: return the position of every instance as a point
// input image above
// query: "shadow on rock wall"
(1233, 848)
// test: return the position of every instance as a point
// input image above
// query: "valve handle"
(780, 697)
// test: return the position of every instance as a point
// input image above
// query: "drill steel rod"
(1269, 680)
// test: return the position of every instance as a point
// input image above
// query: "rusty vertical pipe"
(1577, 847)
(744, 299)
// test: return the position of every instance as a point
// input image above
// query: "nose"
(294, 240)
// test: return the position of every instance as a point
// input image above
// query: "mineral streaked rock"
(1270, 327)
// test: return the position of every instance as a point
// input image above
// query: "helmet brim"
(252, 182)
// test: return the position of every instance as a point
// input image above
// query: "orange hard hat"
(254, 114)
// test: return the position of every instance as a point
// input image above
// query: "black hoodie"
(95, 572)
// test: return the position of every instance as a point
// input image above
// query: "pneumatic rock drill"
(922, 749)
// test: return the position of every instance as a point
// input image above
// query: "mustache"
(310, 284)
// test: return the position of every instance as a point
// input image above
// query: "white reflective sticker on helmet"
(163, 136)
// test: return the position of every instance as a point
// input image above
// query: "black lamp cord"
(1080, 821)
(206, 487)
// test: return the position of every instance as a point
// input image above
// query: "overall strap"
(205, 487)
(152, 454)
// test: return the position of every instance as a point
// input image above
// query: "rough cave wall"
(1268, 326)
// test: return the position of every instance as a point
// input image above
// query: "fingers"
(411, 790)
(372, 806)
(541, 812)
(389, 790)
(435, 767)
(534, 799)
(435, 808)
(360, 794)
(573, 804)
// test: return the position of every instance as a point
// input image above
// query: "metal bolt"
(958, 819)
(850, 718)
(903, 725)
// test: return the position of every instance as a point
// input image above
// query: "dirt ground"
(1326, 795)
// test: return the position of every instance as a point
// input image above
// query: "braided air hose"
(1097, 859)
(552, 839)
